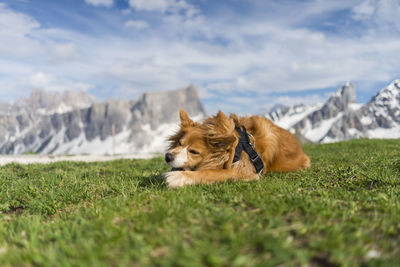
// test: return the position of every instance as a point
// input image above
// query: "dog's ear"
(220, 132)
(221, 142)
(222, 117)
(235, 119)
(224, 125)
(185, 120)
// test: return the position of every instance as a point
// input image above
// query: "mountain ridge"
(75, 123)
(111, 127)
(341, 118)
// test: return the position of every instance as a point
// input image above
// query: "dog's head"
(198, 146)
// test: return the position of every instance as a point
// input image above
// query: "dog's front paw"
(176, 179)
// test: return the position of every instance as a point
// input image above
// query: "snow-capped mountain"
(379, 118)
(286, 117)
(341, 118)
(74, 123)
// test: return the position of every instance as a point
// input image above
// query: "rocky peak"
(162, 107)
(43, 99)
(337, 103)
(44, 102)
(388, 96)
(77, 99)
(313, 126)
(347, 93)
(385, 105)
(277, 111)
(340, 101)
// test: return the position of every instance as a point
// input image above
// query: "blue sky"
(243, 55)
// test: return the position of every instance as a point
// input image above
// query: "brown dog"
(204, 153)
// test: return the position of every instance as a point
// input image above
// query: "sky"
(244, 55)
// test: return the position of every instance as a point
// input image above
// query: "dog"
(230, 148)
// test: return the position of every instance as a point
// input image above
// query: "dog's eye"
(179, 143)
(194, 152)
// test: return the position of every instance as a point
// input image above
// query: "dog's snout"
(169, 157)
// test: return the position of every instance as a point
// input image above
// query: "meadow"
(343, 211)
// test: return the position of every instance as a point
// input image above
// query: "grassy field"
(343, 211)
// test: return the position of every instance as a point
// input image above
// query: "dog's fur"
(203, 153)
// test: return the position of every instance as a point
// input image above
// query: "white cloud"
(308, 100)
(14, 30)
(136, 24)
(64, 52)
(107, 3)
(28, 55)
(151, 5)
(48, 82)
(363, 10)
(15, 23)
(40, 80)
(221, 55)
(163, 6)
(383, 13)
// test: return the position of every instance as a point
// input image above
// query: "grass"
(343, 211)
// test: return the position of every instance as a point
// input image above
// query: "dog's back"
(279, 149)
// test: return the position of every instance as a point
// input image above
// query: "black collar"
(245, 144)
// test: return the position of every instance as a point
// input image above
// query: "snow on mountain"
(77, 126)
(286, 117)
(341, 118)
(74, 123)
(379, 118)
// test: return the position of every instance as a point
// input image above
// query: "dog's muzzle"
(169, 157)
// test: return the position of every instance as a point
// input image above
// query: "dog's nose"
(169, 157)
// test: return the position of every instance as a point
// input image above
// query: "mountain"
(379, 118)
(73, 123)
(41, 102)
(286, 117)
(341, 118)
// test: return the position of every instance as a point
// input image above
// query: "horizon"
(61, 93)
(244, 57)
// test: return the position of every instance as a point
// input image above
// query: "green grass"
(344, 210)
